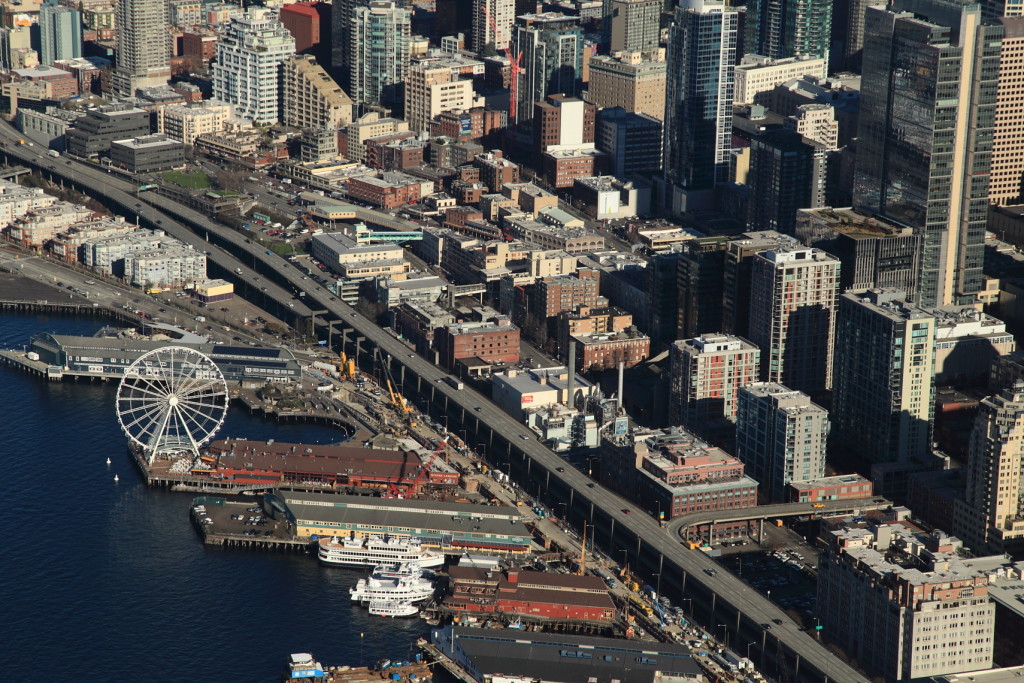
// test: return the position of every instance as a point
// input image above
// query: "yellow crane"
(347, 367)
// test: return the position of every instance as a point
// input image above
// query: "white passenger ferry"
(393, 608)
(405, 583)
(371, 551)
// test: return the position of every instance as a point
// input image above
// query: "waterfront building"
(526, 593)
(883, 404)
(781, 435)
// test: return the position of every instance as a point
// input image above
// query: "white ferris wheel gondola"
(171, 400)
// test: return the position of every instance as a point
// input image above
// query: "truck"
(454, 383)
(53, 153)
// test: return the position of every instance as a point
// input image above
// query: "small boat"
(108, 461)
(392, 608)
(117, 478)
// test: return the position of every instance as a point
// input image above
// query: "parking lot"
(241, 518)
(782, 576)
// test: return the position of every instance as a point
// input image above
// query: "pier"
(444, 661)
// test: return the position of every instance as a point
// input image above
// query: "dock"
(225, 531)
(444, 661)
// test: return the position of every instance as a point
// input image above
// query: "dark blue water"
(105, 581)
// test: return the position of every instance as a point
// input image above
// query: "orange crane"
(395, 492)
(514, 68)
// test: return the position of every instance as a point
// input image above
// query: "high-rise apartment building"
(634, 25)
(492, 23)
(853, 43)
(185, 123)
(1007, 183)
(435, 85)
(905, 605)
(698, 102)
(700, 281)
(737, 278)
(342, 12)
(927, 112)
(793, 316)
(883, 401)
(781, 436)
(552, 60)
(634, 81)
(247, 74)
(311, 98)
(706, 373)
(60, 33)
(379, 52)
(787, 173)
(789, 28)
(632, 141)
(990, 517)
(143, 46)
(816, 122)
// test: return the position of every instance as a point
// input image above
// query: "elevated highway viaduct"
(714, 597)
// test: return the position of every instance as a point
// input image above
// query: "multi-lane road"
(720, 599)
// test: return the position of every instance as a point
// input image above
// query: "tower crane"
(514, 68)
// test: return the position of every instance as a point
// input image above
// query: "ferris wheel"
(172, 401)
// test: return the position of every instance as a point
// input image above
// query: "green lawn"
(194, 181)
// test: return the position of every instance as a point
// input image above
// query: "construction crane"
(395, 492)
(514, 68)
(347, 367)
(397, 400)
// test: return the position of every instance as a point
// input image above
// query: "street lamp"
(657, 590)
(725, 634)
(689, 600)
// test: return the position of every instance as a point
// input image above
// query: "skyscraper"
(1007, 184)
(143, 46)
(788, 28)
(341, 37)
(780, 436)
(379, 52)
(884, 395)
(793, 316)
(787, 173)
(698, 102)
(701, 282)
(247, 74)
(990, 517)
(928, 100)
(60, 33)
(552, 58)
(492, 23)
(634, 25)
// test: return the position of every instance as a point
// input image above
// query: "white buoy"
(116, 478)
(108, 461)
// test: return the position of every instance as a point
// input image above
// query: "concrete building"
(787, 173)
(990, 517)
(631, 141)
(967, 342)
(143, 46)
(756, 74)
(186, 122)
(789, 28)
(552, 61)
(310, 97)
(883, 404)
(737, 277)
(781, 436)
(93, 133)
(435, 85)
(608, 197)
(793, 316)
(913, 125)
(1006, 185)
(343, 255)
(418, 323)
(35, 229)
(147, 154)
(60, 33)
(494, 341)
(816, 122)
(906, 605)
(634, 81)
(379, 52)
(250, 52)
(517, 391)
(369, 125)
(634, 25)
(698, 129)
(706, 373)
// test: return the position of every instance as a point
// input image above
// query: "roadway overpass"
(717, 599)
(679, 525)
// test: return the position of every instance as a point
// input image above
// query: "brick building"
(491, 341)
(389, 191)
(605, 350)
(840, 487)
(539, 595)
(495, 170)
